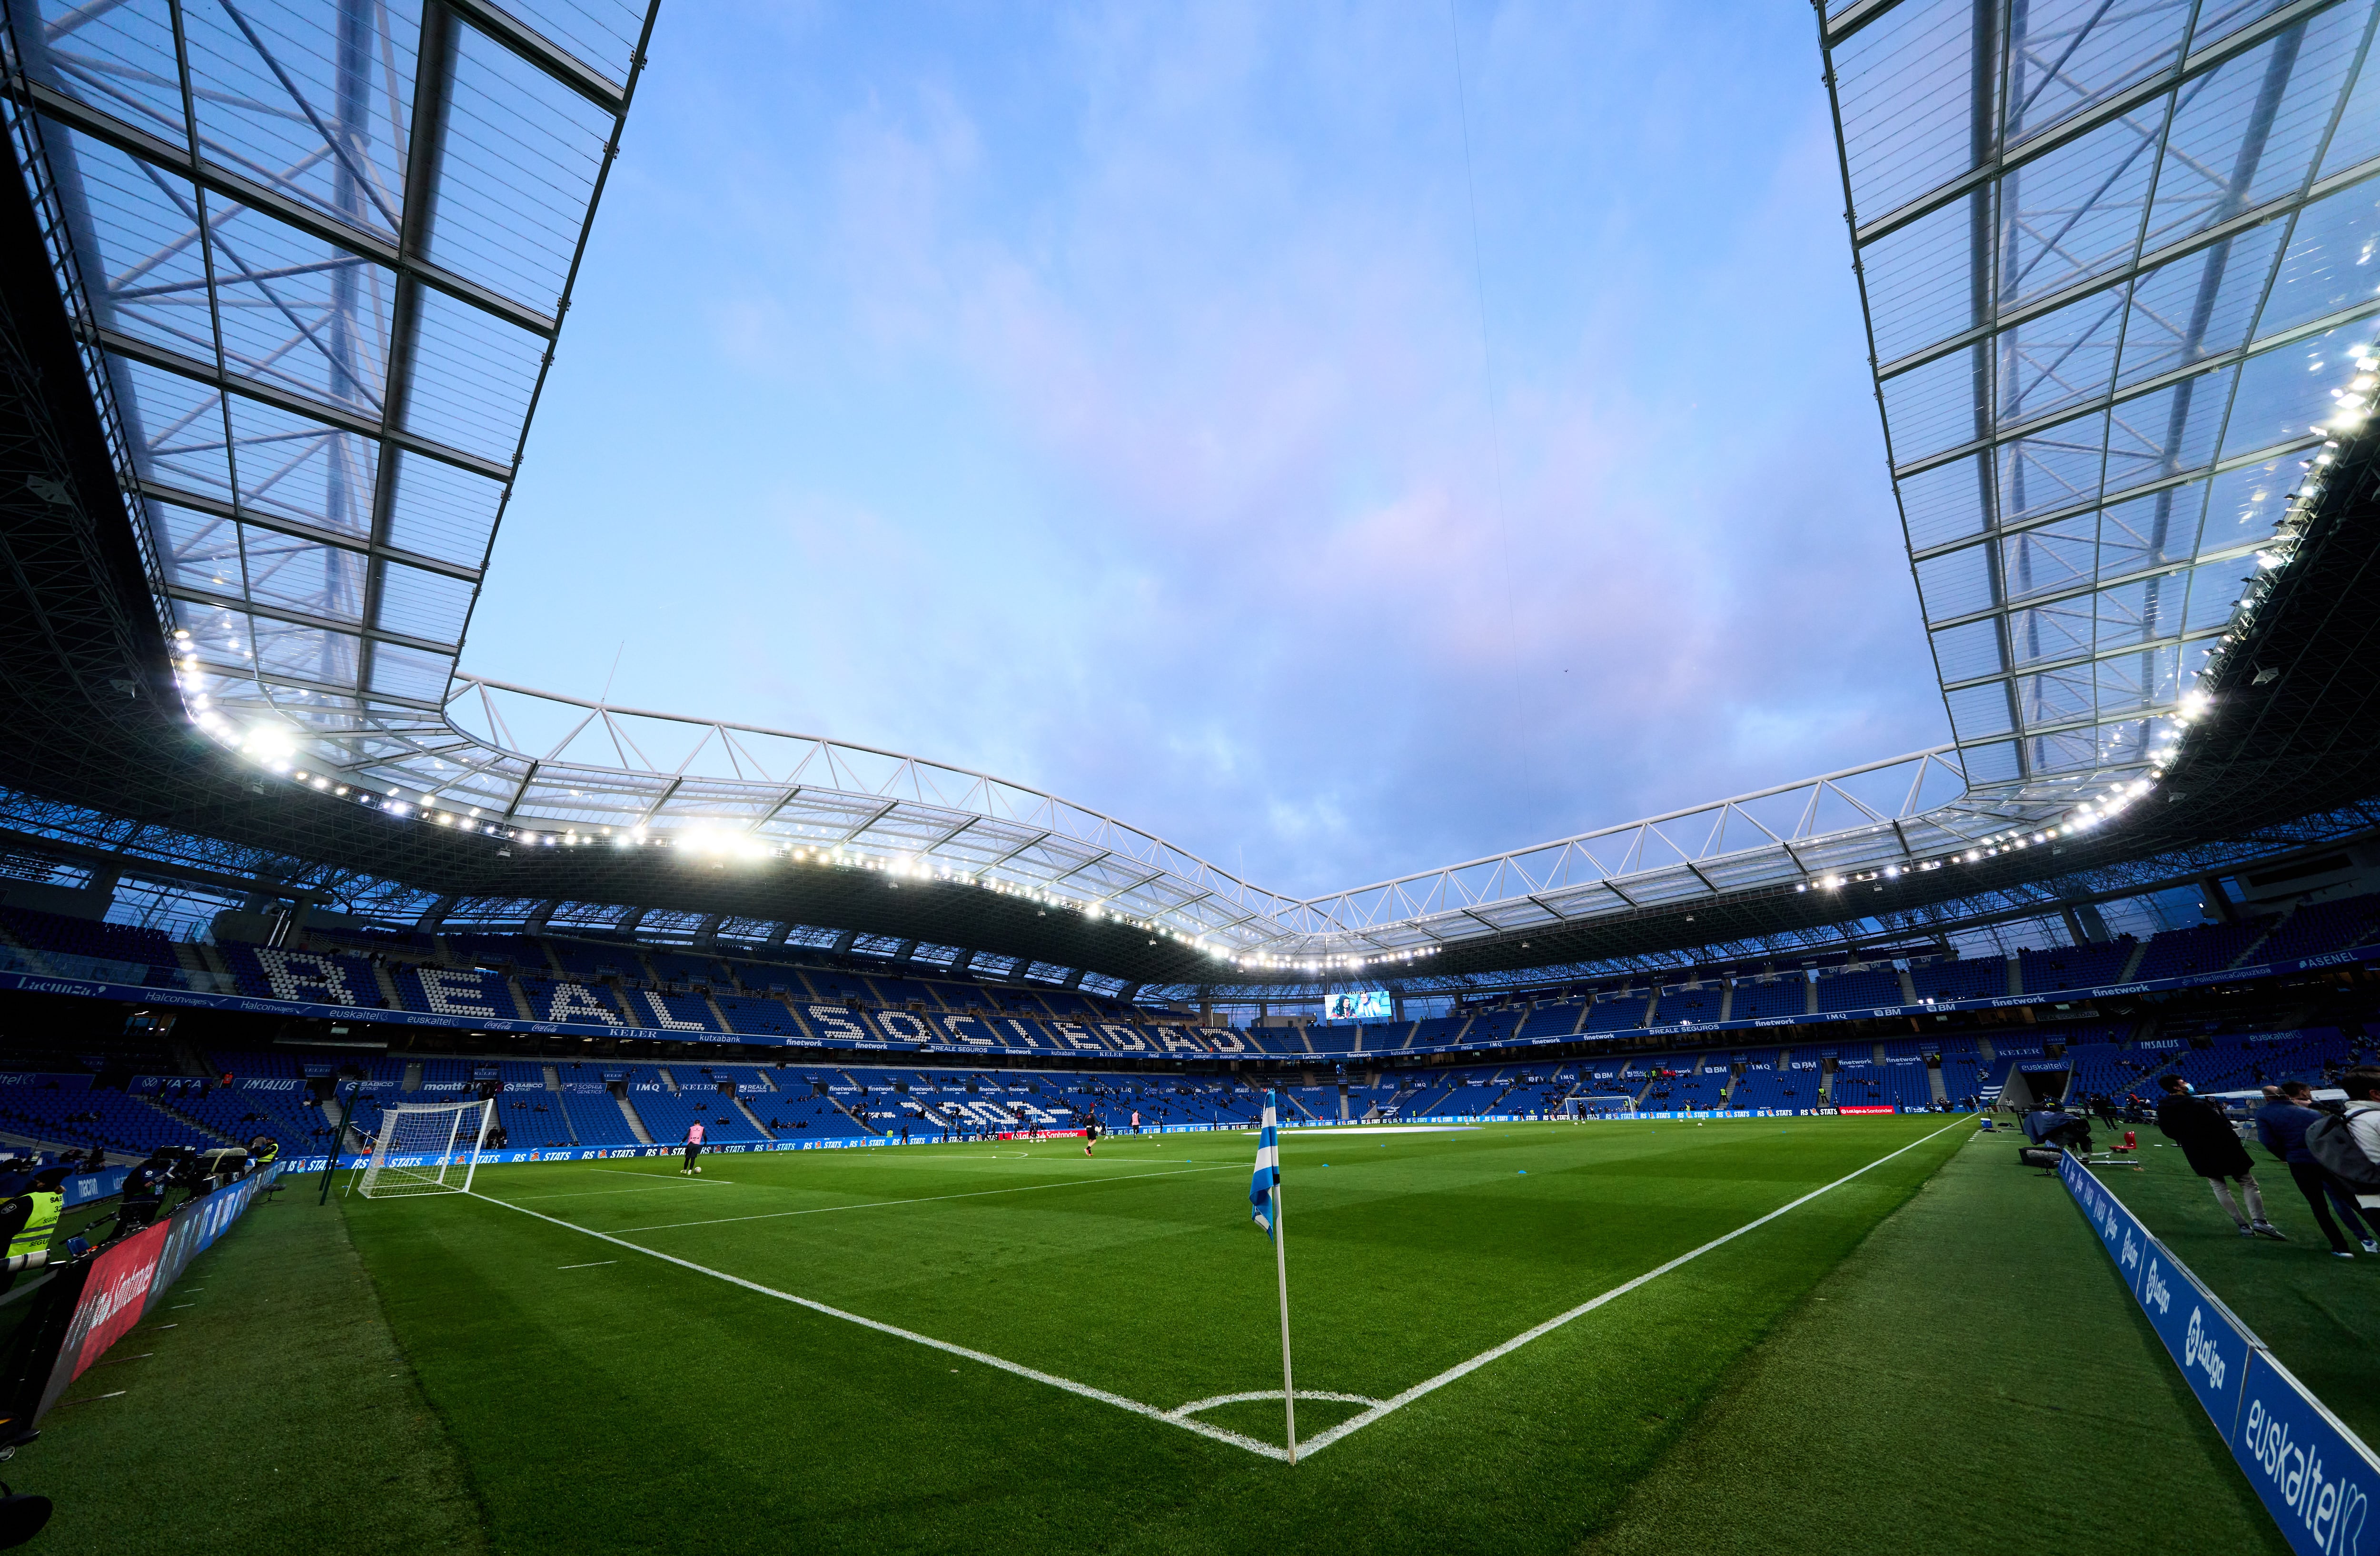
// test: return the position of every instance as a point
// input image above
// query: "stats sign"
(2316, 1477)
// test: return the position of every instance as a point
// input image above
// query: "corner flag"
(1265, 1206)
(1267, 1177)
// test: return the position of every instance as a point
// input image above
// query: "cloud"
(1105, 403)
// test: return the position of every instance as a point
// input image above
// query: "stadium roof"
(2114, 259)
(315, 255)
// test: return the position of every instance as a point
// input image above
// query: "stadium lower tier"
(299, 1100)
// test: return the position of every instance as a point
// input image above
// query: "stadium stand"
(1552, 1019)
(1947, 978)
(1619, 1013)
(2203, 949)
(2319, 928)
(464, 992)
(1868, 988)
(65, 1110)
(2075, 967)
(144, 956)
(1689, 1002)
(1761, 999)
(670, 1106)
(592, 960)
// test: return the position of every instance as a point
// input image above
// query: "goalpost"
(427, 1147)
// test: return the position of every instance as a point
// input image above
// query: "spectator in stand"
(2281, 1125)
(2213, 1149)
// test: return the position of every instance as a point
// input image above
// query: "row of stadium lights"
(274, 749)
(2356, 403)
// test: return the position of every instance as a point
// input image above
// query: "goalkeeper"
(693, 1149)
(1092, 1130)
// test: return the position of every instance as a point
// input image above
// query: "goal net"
(427, 1147)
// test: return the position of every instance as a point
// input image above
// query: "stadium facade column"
(2215, 901)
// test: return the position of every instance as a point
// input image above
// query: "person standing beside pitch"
(693, 1148)
(2281, 1125)
(2213, 1148)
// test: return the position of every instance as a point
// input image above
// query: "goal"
(427, 1147)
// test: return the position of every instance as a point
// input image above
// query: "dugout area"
(1870, 1372)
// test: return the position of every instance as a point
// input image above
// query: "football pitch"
(1007, 1344)
(1788, 1336)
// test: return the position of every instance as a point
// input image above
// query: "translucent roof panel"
(323, 246)
(2111, 257)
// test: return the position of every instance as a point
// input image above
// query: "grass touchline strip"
(1174, 1418)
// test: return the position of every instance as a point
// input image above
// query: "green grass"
(658, 1394)
(264, 1408)
(1858, 1375)
(2316, 1312)
(1976, 1358)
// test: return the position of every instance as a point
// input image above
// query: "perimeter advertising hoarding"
(2316, 1477)
(114, 1294)
(102, 1296)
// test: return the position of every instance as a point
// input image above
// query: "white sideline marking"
(1263, 1450)
(1180, 1415)
(597, 1264)
(926, 1198)
(1325, 1439)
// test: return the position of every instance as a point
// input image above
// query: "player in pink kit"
(693, 1149)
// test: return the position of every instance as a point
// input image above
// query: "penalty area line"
(1203, 1428)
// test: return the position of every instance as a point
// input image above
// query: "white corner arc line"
(1237, 1439)
(1324, 1438)
(1196, 1405)
(1178, 1416)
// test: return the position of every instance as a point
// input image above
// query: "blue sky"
(1098, 397)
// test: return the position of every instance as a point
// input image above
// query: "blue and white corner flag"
(1267, 1169)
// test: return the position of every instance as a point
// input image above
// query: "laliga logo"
(2331, 1510)
(2131, 1251)
(2156, 1292)
(2199, 1351)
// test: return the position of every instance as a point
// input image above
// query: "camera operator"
(261, 1152)
(2055, 1128)
(144, 1190)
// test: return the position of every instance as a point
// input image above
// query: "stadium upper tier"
(314, 255)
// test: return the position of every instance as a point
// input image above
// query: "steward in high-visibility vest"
(46, 1201)
(31, 1219)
